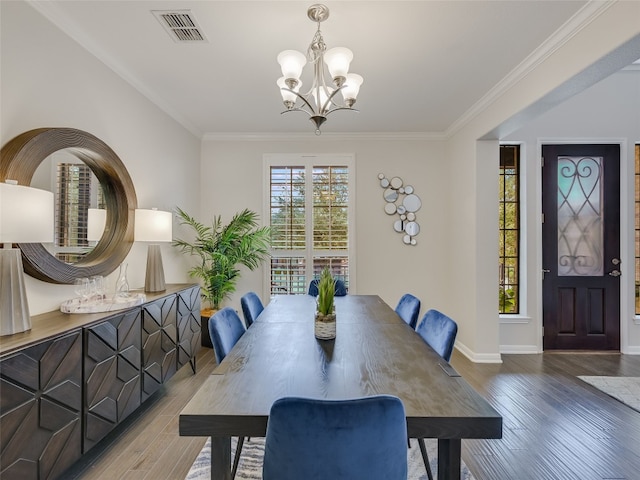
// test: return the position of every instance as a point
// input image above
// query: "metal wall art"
(401, 201)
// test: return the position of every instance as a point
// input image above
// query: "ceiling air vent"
(180, 25)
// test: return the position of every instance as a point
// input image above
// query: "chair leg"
(236, 457)
(425, 457)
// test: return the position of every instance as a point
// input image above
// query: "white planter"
(325, 326)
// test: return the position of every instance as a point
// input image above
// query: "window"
(310, 214)
(509, 225)
(75, 184)
(637, 180)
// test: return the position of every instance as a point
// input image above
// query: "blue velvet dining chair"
(439, 331)
(408, 309)
(225, 329)
(356, 439)
(340, 289)
(251, 307)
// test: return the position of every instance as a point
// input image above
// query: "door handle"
(615, 273)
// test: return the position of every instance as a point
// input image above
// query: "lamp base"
(154, 280)
(14, 308)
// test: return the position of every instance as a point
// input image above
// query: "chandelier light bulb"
(338, 60)
(288, 97)
(292, 62)
(351, 88)
(323, 96)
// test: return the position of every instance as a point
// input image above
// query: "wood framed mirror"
(20, 158)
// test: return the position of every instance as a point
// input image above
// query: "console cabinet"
(40, 411)
(71, 379)
(159, 344)
(112, 379)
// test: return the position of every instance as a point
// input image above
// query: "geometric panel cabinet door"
(189, 331)
(112, 373)
(159, 343)
(40, 411)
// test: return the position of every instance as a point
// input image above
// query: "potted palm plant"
(222, 249)
(325, 321)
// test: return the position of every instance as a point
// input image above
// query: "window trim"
(309, 160)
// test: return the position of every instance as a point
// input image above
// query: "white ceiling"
(425, 63)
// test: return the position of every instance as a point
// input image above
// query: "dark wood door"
(581, 247)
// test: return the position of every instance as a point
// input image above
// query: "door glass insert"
(580, 233)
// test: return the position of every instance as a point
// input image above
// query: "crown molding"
(582, 18)
(71, 29)
(343, 136)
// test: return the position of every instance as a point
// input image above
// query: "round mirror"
(396, 182)
(390, 195)
(412, 228)
(19, 160)
(412, 203)
(78, 195)
(390, 208)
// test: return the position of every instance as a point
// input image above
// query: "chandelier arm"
(341, 108)
(330, 98)
(300, 97)
(297, 109)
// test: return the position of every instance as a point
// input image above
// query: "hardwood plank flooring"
(555, 426)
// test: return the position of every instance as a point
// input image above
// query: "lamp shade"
(153, 226)
(26, 214)
(352, 86)
(96, 221)
(338, 60)
(292, 62)
(287, 96)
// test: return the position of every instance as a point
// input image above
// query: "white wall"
(232, 179)
(47, 80)
(607, 112)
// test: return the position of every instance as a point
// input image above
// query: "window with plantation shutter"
(77, 189)
(310, 214)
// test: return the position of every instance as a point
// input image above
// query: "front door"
(581, 247)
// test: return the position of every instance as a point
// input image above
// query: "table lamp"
(96, 222)
(26, 216)
(153, 226)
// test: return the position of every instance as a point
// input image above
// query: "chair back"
(251, 307)
(225, 328)
(340, 289)
(408, 309)
(439, 331)
(357, 439)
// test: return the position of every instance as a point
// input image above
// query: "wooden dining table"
(374, 352)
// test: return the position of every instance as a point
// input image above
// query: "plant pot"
(325, 326)
(205, 314)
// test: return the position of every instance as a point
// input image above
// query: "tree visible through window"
(509, 225)
(309, 219)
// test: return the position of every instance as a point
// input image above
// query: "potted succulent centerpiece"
(325, 321)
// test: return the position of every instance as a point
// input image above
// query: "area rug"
(625, 389)
(250, 467)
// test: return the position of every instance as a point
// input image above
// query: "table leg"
(449, 450)
(220, 458)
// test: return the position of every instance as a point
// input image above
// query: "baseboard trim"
(519, 349)
(478, 357)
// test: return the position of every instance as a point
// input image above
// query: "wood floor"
(555, 426)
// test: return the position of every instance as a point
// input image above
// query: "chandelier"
(320, 100)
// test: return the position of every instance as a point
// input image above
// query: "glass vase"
(122, 284)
